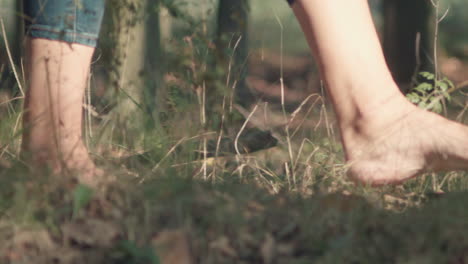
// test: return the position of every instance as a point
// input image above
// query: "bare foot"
(77, 162)
(66, 157)
(400, 141)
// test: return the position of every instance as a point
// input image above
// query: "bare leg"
(386, 139)
(57, 75)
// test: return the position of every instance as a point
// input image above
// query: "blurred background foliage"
(153, 27)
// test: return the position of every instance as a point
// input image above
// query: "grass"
(256, 208)
(170, 203)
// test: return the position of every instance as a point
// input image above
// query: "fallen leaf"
(91, 232)
(173, 247)
(222, 244)
(268, 249)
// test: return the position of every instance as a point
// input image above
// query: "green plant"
(82, 195)
(430, 92)
(129, 253)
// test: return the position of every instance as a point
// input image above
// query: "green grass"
(311, 214)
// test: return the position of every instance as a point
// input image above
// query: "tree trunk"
(155, 92)
(404, 21)
(135, 56)
(232, 26)
(131, 51)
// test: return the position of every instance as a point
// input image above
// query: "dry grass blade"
(169, 153)
(236, 141)
(10, 57)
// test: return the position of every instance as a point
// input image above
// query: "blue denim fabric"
(73, 21)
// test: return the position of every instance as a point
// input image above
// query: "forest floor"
(290, 203)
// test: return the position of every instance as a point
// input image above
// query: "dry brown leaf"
(91, 232)
(268, 249)
(222, 244)
(37, 239)
(286, 249)
(173, 247)
(29, 247)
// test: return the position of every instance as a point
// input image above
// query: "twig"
(283, 106)
(174, 148)
(236, 141)
(228, 79)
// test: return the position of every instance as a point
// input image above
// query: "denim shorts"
(73, 21)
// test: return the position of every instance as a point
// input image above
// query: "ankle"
(372, 120)
(356, 98)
